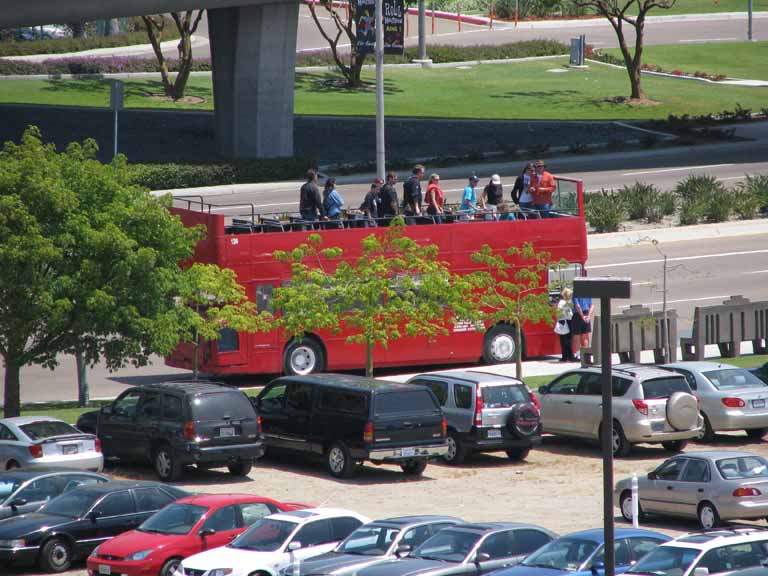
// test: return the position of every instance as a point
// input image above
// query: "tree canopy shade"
(90, 263)
(394, 288)
(633, 13)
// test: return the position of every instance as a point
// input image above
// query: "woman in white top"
(563, 325)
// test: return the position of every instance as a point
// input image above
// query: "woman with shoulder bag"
(563, 324)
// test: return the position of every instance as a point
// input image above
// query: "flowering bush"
(92, 65)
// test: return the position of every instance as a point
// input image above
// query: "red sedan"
(183, 528)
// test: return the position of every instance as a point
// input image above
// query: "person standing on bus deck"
(493, 193)
(521, 194)
(370, 205)
(412, 197)
(581, 324)
(469, 203)
(332, 201)
(310, 203)
(388, 203)
(543, 188)
(435, 199)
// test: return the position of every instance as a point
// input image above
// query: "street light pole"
(379, 50)
(422, 31)
(749, 21)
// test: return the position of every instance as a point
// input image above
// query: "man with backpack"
(412, 197)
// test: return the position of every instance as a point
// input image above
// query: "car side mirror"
(701, 571)
(106, 409)
(295, 545)
(403, 550)
(18, 502)
(544, 389)
(93, 515)
(481, 557)
(206, 532)
(652, 476)
(596, 567)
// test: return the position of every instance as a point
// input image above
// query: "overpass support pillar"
(253, 53)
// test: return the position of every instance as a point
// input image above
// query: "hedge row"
(167, 176)
(438, 53)
(64, 45)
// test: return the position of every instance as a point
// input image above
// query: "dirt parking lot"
(559, 486)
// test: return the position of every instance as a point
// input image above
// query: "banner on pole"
(394, 27)
(365, 26)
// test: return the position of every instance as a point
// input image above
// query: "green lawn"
(709, 6)
(528, 90)
(737, 60)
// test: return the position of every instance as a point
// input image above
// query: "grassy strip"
(526, 90)
(736, 60)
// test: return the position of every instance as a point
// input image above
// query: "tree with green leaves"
(509, 290)
(393, 288)
(344, 18)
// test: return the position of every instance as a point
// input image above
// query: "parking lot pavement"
(558, 487)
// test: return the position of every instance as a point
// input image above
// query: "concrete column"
(253, 53)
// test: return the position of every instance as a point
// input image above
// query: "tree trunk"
(635, 73)
(369, 359)
(185, 66)
(83, 390)
(518, 352)
(78, 29)
(12, 402)
(195, 360)
(155, 35)
(111, 27)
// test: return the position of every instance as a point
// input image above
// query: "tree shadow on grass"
(139, 91)
(332, 82)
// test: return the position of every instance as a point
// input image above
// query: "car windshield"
(173, 519)
(742, 467)
(47, 429)
(665, 561)
(562, 554)
(730, 378)
(8, 485)
(371, 540)
(447, 545)
(504, 396)
(73, 504)
(664, 387)
(266, 535)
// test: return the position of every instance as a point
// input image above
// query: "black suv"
(349, 419)
(179, 423)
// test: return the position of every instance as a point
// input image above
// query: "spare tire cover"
(682, 411)
(523, 421)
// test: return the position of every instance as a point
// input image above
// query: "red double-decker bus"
(245, 242)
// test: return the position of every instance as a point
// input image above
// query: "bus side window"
(264, 298)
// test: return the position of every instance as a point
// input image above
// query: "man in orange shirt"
(542, 187)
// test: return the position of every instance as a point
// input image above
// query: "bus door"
(265, 352)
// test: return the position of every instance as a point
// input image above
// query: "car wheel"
(756, 433)
(339, 460)
(626, 506)
(675, 445)
(500, 345)
(302, 358)
(706, 434)
(240, 468)
(169, 567)
(414, 467)
(167, 466)
(456, 452)
(12, 465)
(518, 454)
(708, 516)
(619, 443)
(56, 556)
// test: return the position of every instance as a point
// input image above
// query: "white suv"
(275, 542)
(706, 553)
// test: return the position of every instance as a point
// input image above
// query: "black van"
(349, 419)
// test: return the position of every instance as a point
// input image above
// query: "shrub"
(745, 202)
(720, 206)
(690, 213)
(667, 203)
(637, 198)
(757, 185)
(604, 211)
(702, 196)
(92, 65)
(63, 45)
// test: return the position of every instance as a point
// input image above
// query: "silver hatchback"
(650, 405)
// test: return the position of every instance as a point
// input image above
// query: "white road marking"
(679, 259)
(691, 40)
(643, 283)
(661, 302)
(675, 169)
(756, 272)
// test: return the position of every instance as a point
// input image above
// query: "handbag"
(561, 327)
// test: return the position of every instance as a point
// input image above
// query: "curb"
(730, 82)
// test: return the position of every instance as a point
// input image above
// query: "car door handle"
(700, 490)
(567, 402)
(670, 488)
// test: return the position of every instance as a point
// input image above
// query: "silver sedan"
(41, 441)
(711, 486)
(731, 398)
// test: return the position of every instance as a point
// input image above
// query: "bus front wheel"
(304, 357)
(500, 345)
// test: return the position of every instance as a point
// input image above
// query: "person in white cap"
(493, 193)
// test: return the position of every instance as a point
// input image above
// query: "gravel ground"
(559, 486)
(170, 135)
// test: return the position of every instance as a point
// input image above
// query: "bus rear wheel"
(500, 345)
(305, 357)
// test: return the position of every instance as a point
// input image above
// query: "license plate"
(494, 433)
(105, 569)
(69, 449)
(226, 432)
(657, 426)
(758, 403)
(406, 452)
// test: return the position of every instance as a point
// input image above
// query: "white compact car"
(276, 542)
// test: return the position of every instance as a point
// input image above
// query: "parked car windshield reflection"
(447, 545)
(48, 429)
(266, 535)
(173, 519)
(665, 561)
(562, 554)
(73, 504)
(503, 396)
(8, 486)
(369, 541)
(743, 467)
(733, 378)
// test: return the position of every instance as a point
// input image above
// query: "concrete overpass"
(253, 52)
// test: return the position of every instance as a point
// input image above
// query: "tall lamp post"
(379, 52)
(749, 20)
(606, 288)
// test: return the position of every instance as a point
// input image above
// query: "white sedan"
(276, 542)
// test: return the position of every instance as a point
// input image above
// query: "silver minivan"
(650, 405)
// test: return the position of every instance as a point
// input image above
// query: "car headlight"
(12, 543)
(220, 572)
(95, 551)
(140, 555)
